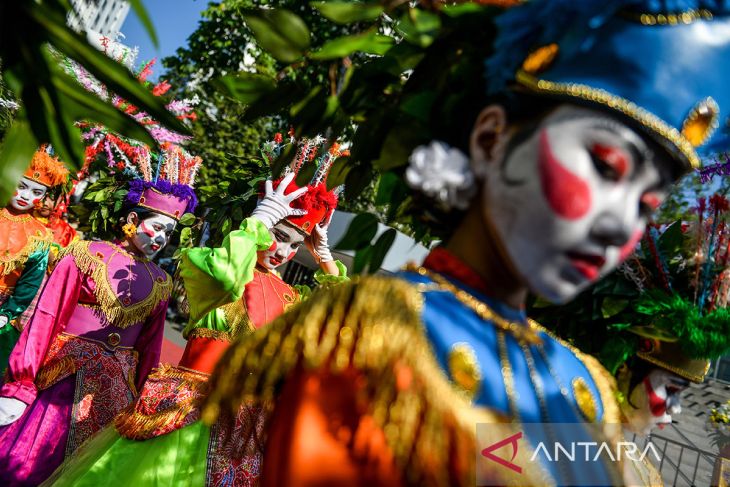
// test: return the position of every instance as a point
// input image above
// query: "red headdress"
(318, 201)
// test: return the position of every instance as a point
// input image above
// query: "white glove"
(10, 410)
(3, 320)
(318, 243)
(275, 205)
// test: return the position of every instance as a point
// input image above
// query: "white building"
(103, 16)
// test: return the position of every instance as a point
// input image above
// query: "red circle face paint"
(568, 195)
(291, 255)
(272, 247)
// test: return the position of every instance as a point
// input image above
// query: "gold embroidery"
(464, 368)
(628, 108)
(208, 333)
(237, 318)
(121, 314)
(521, 332)
(584, 398)
(134, 424)
(602, 378)
(509, 380)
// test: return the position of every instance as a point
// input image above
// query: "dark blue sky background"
(174, 21)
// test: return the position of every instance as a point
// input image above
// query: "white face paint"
(654, 401)
(570, 201)
(287, 240)
(28, 195)
(153, 233)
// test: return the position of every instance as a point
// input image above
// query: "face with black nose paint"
(653, 401)
(570, 197)
(153, 232)
(287, 240)
(28, 195)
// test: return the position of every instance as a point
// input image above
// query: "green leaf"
(380, 249)
(245, 87)
(361, 260)
(145, 19)
(280, 32)
(16, 152)
(226, 227)
(386, 187)
(671, 240)
(187, 219)
(115, 76)
(338, 172)
(361, 231)
(347, 12)
(185, 235)
(419, 27)
(613, 306)
(369, 42)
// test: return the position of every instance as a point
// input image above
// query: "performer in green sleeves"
(233, 290)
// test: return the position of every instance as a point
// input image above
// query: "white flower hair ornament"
(442, 173)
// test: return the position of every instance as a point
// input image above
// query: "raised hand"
(275, 205)
(317, 242)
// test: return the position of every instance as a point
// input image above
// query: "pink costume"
(95, 336)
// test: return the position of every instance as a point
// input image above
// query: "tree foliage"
(50, 100)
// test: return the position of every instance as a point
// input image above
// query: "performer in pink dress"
(98, 327)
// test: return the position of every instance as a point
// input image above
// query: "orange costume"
(25, 243)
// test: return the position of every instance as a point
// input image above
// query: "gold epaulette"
(373, 325)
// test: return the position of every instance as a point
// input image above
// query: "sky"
(174, 21)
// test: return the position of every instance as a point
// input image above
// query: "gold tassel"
(34, 244)
(372, 325)
(52, 373)
(121, 316)
(134, 425)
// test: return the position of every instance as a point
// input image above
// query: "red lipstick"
(588, 265)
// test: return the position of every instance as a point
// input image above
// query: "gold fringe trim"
(208, 333)
(34, 244)
(114, 311)
(48, 376)
(373, 325)
(135, 425)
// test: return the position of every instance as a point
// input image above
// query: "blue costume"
(427, 356)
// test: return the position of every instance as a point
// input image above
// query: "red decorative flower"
(278, 138)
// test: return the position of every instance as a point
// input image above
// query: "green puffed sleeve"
(217, 276)
(324, 279)
(27, 286)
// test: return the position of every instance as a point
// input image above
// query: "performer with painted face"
(52, 213)
(658, 320)
(232, 290)
(98, 326)
(384, 381)
(25, 246)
